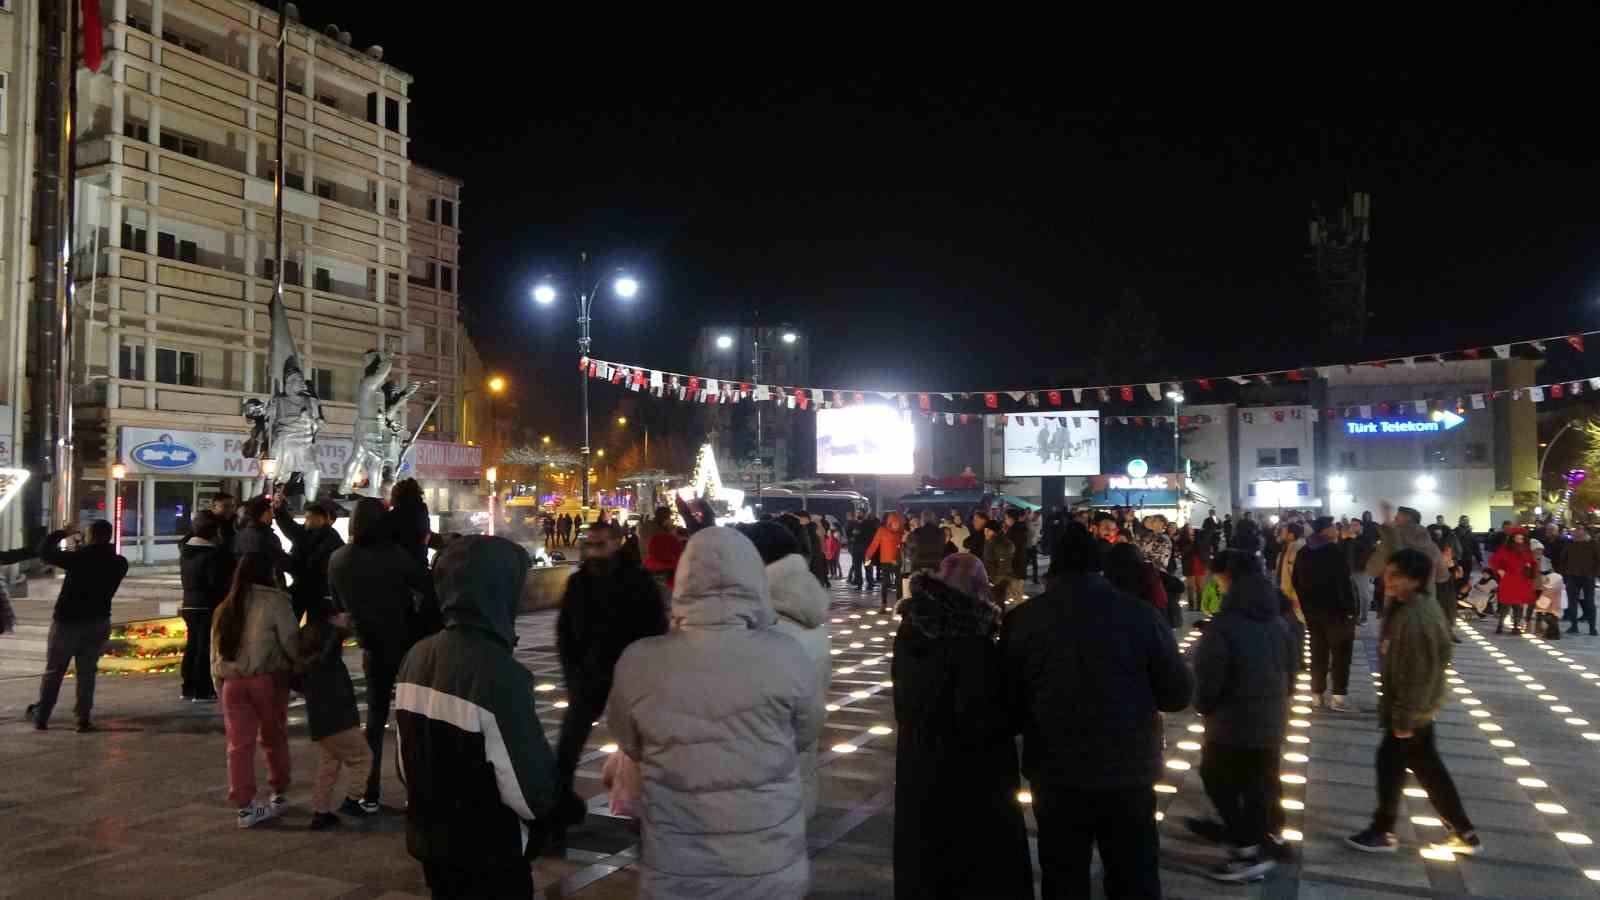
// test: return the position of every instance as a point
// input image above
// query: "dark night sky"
(959, 229)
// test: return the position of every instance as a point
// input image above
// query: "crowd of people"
(703, 648)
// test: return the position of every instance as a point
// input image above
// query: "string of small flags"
(702, 389)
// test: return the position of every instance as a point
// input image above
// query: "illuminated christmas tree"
(706, 481)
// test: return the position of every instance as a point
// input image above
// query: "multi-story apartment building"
(176, 167)
(19, 26)
(433, 276)
(771, 354)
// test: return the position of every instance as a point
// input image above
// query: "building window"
(166, 245)
(177, 367)
(295, 180)
(324, 189)
(1266, 456)
(328, 100)
(135, 129)
(189, 252)
(139, 23)
(394, 205)
(447, 278)
(1289, 456)
(432, 215)
(1347, 459)
(420, 271)
(1433, 453)
(430, 340)
(291, 272)
(133, 237)
(130, 362)
(391, 113)
(179, 144)
(391, 288)
(323, 280)
(1476, 453)
(322, 383)
(447, 213)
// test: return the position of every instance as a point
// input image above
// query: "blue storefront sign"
(164, 454)
(1442, 421)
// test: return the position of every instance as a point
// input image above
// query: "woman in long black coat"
(959, 830)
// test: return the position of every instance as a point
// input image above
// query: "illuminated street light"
(622, 420)
(626, 287)
(1427, 483)
(1338, 484)
(544, 294)
(724, 341)
(497, 384)
(545, 439)
(790, 337)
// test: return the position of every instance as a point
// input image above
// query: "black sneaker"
(1373, 841)
(1242, 869)
(322, 821)
(85, 727)
(359, 809)
(1467, 844)
(1210, 829)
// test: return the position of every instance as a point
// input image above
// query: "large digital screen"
(865, 440)
(1053, 444)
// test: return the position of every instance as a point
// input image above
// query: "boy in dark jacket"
(1321, 578)
(478, 768)
(310, 547)
(333, 721)
(206, 569)
(1244, 672)
(1415, 650)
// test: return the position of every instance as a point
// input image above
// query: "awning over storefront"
(1013, 500)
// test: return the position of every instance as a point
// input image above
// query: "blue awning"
(1136, 498)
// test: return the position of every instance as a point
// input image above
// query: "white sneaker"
(1340, 704)
(278, 804)
(253, 815)
(1320, 701)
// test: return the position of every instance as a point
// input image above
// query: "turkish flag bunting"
(1139, 421)
(1183, 421)
(616, 376)
(1277, 415)
(583, 363)
(801, 398)
(964, 418)
(1576, 341)
(694, 383)
(1470, 354)
(1127, 395)
(1558, 391)
(1205, 383)
(1383, 409)
(1294, 375)
(991, 400)
(1055, 397)
(922, 401)
(1328, 413)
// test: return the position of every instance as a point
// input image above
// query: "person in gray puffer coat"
(716, 714)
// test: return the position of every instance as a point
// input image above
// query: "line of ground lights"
(1579, 845)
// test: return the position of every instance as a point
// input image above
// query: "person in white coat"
(716, 714)
(802, 606)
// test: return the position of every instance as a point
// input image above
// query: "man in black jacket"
(478, 768)
(1088, 671)
(862, 570)
(1328, 599)
(1244, 668)
(81, 624)
(205, 566)
(378, 583)
(310, 547)
(926, 544)
(1017, 532)
(608, 605)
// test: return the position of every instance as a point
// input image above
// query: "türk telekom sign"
(218, 454)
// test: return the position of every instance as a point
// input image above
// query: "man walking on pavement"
(1328, 600)
(81, 624)
(1017, 532)
(1581, 565)
(608, 605)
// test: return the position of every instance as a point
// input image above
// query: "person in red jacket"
(886, 545)
(1517, 570)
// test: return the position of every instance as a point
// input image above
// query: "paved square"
(139, 810)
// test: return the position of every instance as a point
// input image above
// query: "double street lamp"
(726, 342)
(547, 292)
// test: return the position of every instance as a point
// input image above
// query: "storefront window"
(90, 499)
(174, 506)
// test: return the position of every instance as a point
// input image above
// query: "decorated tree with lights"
(706, 480)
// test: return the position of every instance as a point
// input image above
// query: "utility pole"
(1339, 262)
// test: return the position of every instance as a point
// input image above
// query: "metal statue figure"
(296, 417)
(372, 424)
(395, 445)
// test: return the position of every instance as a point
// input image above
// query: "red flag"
(922, 400)
(92, 36)
(800, 398)
(694, 383)
(616, 376)
(1277, 415)
(583, 364)
(1328, 413)
(1055, 397)
(1380, 364)
(1470, 354)
(594, 369)
(1558, 391)
(1205, 383)
(964, 418)
(1294, 375)
(1383, 409)
(638, 377)
(992, 401)
(1576, 341)
(1183, 421)
(1127, 395)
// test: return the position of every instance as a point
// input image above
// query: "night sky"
(970, 228)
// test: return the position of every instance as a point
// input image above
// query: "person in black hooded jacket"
(1244, 668)
(479, 772)
(862, 572)
(205, 565)
(380, 584)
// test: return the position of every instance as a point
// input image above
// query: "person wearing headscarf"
(956, 777)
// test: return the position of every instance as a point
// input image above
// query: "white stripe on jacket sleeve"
(474, 719)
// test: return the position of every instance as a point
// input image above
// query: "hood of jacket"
(1253, 597)
(479, 581)
(366, 521)
(795, 592)
(937, 610)
(720, 583)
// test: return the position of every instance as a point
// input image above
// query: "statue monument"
(285, 427)
(379, 444)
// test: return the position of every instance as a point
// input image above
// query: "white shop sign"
(212, 453)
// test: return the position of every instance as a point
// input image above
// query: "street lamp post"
(726, 342)
(625, 287)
